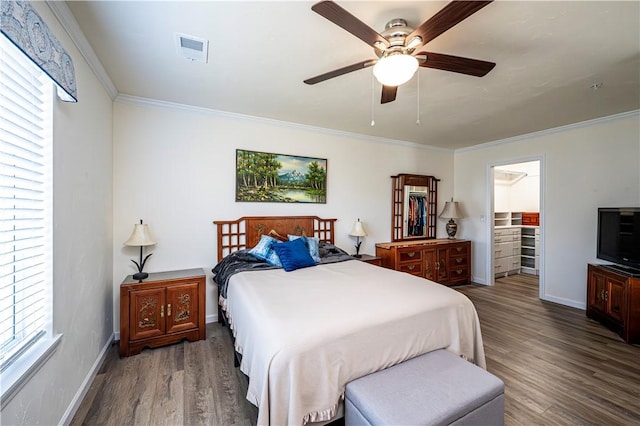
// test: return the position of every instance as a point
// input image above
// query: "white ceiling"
(548, 55)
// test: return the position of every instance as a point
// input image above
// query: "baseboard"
(86, 384)
(566, 302)
(478, 280)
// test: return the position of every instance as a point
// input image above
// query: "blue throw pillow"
(312, 243)
(294, 255)
(264, 251)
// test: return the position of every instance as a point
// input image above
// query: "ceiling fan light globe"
(394, 70)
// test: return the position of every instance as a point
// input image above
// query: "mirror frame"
(398, 208)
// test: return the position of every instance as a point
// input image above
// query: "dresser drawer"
(409, 255)
(460, 250)
(411, 268)
(506, 234)
(458, 261)
(502, 250)
(459, 274)
(501, 265)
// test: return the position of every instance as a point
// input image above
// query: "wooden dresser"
(163, 309)
(445, 261)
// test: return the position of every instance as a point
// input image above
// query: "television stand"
(613, 299)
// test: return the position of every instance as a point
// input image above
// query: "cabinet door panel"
(182, 307)
(597, 289)
(615, 300)
(147, 313)
(430, 264)
(442, 266)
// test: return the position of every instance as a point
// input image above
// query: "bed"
(303, 335)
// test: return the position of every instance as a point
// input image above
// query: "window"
(25, 217)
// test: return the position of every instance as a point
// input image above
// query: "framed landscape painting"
(267, 177)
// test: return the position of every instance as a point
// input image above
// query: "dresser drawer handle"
(413, 253)
(459, 260)
(411, 267)
(459, 249)
(459, 271)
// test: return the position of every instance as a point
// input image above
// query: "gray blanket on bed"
(241, 260)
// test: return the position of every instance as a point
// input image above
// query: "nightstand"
(165, 308)
(374, 260)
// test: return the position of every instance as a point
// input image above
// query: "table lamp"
(141, 236)
(358, 231)
(451, 211)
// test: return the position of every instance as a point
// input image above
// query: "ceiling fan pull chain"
(373, 101)
(418, 103)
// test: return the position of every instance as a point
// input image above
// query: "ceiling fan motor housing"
(396, 32)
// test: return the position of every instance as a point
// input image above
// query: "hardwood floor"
(558, 367)
(182, 384)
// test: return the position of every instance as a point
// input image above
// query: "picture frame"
(280, 178)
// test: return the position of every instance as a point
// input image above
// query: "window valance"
(21, 24)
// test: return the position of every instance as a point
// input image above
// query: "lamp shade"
(451, 210)
(358, 230)
(394, 70)
(141, 236)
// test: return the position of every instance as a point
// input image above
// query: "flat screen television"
(619, 236)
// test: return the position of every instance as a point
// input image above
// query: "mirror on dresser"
(414, 200)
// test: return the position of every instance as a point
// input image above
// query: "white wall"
(502, 197)
(584, 166)
(524, 194)
(174, 167)
(82, 246)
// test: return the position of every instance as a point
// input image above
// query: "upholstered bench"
(437, 388)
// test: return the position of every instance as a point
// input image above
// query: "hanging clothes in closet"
(417, 214)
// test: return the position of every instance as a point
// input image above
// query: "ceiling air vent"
(192, 48)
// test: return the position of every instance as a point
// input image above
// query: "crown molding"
(71, 26)
(551, 131)
(278, 123)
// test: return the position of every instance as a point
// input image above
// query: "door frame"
(490, 215)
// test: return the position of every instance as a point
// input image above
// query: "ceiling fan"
(396, 47)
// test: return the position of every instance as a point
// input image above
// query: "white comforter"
(305, 334)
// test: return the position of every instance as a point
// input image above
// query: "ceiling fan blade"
(457, 64)
(388, 94)
(341, 71)
(452, 14)
(347, 21)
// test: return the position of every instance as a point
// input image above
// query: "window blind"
(25, 195)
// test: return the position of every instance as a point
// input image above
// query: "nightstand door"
(147, 313)
(182, 307)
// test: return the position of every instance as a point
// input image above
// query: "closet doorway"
(515, 225)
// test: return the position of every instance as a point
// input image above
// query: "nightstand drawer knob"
(412, 254)
(411, 267)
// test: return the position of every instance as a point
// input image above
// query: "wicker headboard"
(245, 232)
